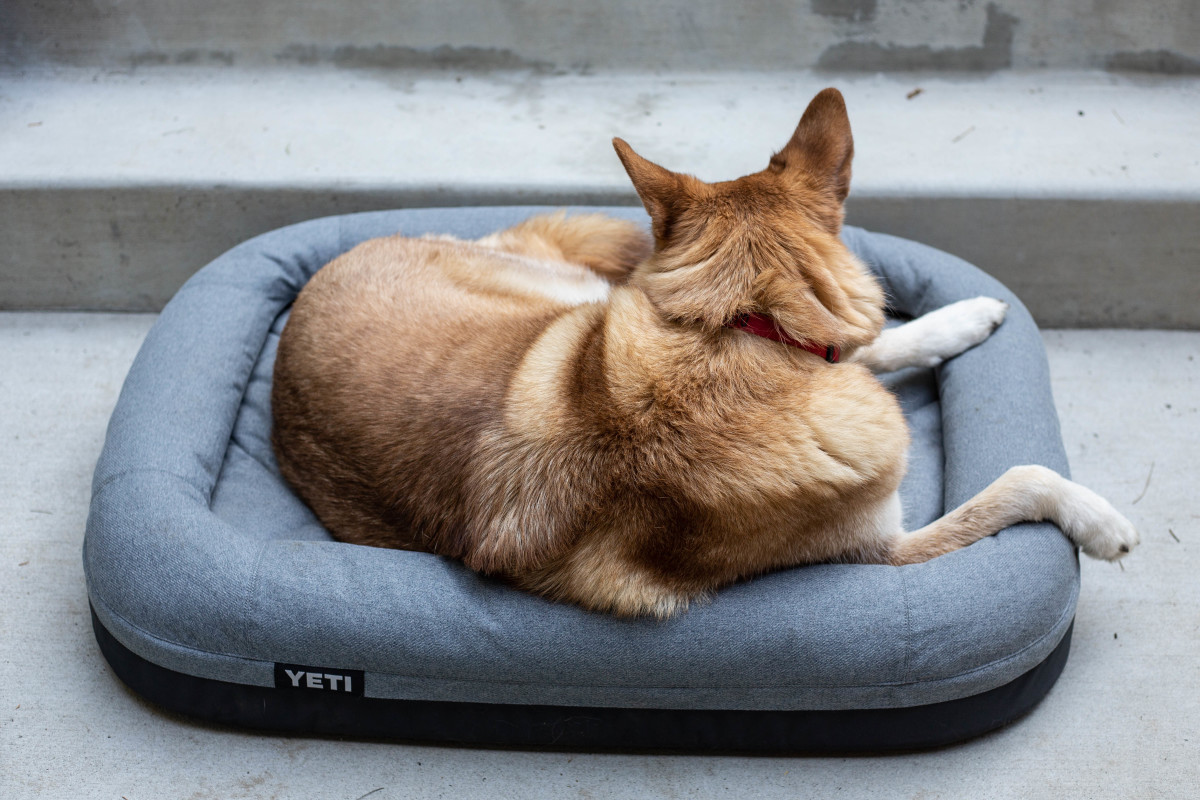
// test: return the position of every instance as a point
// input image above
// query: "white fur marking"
(560, 281)
(885, 522)
(575, 293)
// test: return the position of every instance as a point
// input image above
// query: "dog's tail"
(609, 246)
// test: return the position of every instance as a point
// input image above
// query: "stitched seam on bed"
(1067, 614)
(250, 619)
(247, 377)
(233, 442)
(111, 479)
(906, 669)
(752, 687)
(108, 607)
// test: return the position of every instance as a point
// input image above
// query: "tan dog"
(570, 406)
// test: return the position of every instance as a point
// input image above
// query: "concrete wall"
(1160, 36)
(141, 138)
(1074, 263)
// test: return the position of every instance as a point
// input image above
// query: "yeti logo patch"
(319, 679)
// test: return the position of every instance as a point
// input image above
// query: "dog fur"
(562, 405)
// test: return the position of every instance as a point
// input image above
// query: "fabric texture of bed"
(200, 560)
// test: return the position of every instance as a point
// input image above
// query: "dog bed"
(215, 592)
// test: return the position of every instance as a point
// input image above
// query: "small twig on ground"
(368, 794)
(1173, 536)
(962, 135)
(914, 93)
(1147, 486)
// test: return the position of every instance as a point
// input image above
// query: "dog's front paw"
(1091, 522)
(969, 322)
(962, 325)
(931, 339)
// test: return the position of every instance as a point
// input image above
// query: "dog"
(586, 411)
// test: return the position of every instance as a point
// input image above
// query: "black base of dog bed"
(564, 728)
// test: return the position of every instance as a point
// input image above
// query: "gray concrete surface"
(1122, 722)
(1079, 190)
(563, 35)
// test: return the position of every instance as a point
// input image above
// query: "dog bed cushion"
(216, 592)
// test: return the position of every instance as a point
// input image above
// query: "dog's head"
(767, 243)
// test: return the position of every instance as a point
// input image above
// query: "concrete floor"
(1122, 722)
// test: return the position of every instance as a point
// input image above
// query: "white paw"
(960, 326)
(1091, 522)
(929, 340)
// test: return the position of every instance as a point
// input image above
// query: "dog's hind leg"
(1023, 494)
(608, 246)
(929, 340)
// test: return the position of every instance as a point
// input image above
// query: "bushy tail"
(607, 245)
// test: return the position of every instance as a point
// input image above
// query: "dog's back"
(394, 365)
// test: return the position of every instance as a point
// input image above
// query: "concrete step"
(565, 35)
(1080, 190)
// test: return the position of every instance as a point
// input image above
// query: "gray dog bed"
(215, 591)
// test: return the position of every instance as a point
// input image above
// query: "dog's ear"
(834, 301)
(822, 146)
(659, 188)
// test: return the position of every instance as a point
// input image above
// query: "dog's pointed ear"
(822, 145)
(658, 187)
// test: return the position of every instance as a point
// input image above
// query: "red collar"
(764, 326)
